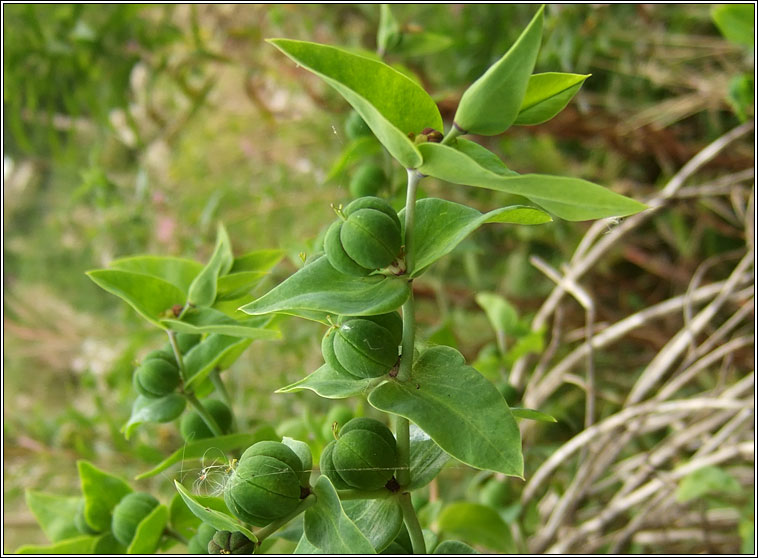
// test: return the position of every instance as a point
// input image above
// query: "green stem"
(271, 528)
(218, 384)
(356, 494)
(174, 535)
(409, 313)
(204, 414)
(453, 133)
(403, 435)
(177, 352)
(412, 524)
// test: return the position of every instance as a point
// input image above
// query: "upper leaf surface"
(149, 532)
(328, 528)
(459, 409)
(319, 289)
(220, 520)
(54, 513)
(379, 520)
(329, 384)
(202, 291)
(391, 104)
(490, 104)
(546, 95)
(572, 199)
(441, 225)
(102, 491)
(150, 296)
(177, 271)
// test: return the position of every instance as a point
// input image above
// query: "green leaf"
(147, 409)
(198, 448)
(501, 314)
(208, 320)
(55, 514)
(741, 94)
(84, 544)
(237, 285)
(391, 104)
(490, 104)
(178, 271)
(102, 491)
(546, 95)
(328, 528)
(149, 532)
(427, 458)
(150, 296)
(319, 288)
(258, 260)
(181, 518)
(459, 408)
(736, 22)
(531, 414)
(379, 520)
(202, 291)
(477, 524)
(483, 157)
(572, 199)
(747, 534)
(422, 43)
(357, 149)
(388, 34)
(454, 547)
(441, 225)
(209, 354)
(329, 384)
(305, 547)
(107, 544)
(707, 480)
(220, 520)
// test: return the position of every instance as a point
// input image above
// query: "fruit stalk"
(204, 414)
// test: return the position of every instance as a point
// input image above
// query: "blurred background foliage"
(135, 128)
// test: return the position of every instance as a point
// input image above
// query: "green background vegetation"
(134, 129)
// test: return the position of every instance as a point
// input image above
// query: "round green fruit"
(165, 353)
(80, 522)
(371, 238)
(367, 180)
(356, 127)
(224, 542)
(265, 485)
(337, 256)
(193, 427)
(364, 348)
(372, 202)
(156, 377)
(365, 455)
(327, 468)
(128, 514)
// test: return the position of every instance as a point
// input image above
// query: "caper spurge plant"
(355, 288)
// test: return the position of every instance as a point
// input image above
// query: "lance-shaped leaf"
(572, 199)
(459, 408)
(388, 34)
(177, 271)
(237, 285)
(54, 513)
(102, 491)
(82, 545)
(219, 520)
(327, 383)
(328, 528)
(148, 409)
(546, 95)
(202, 291)
(531, 414)
(210, 353)
(483, 157)
(198, 448)
(490, 104)
(319, 288)
(441, 225)
(150, 296)
(258, 260)
(391, 104)
(208, 320)
(379, 520)
(454, 548)
(422, 43)
(149, 532)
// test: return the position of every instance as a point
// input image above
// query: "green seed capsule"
(328, 469)
(367, 180)
(371, 238)
(365, 455)
(337, 256)
(225, 542)
(372, 202)
(364, 348)
(156, 377)
(198, 544)
(128, 514)
(186, 341)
